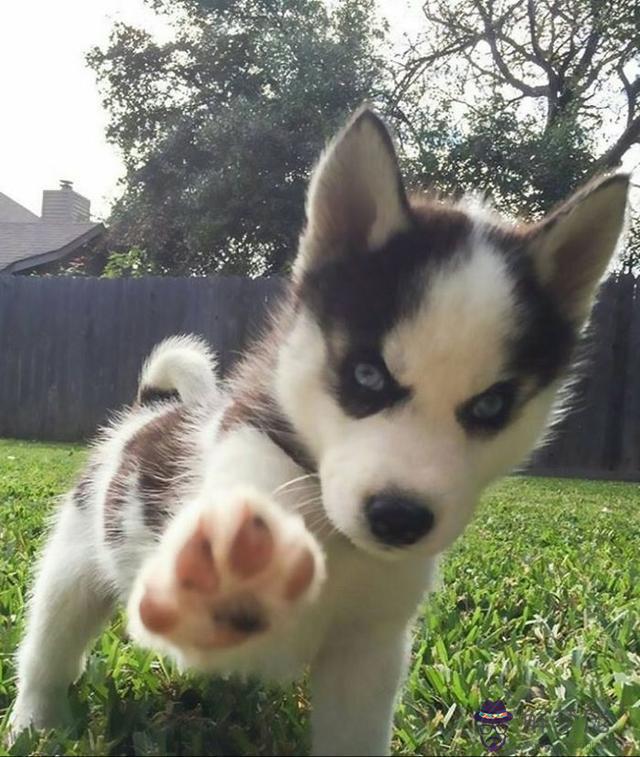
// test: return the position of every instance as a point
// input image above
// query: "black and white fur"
(419, 355)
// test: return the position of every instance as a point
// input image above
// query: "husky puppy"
(292, 516)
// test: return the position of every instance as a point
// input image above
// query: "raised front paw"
(224, 574)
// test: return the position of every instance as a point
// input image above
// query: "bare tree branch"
(418, 65)
(631, 89)
(563, 53)
(630, 136)
(465, 40)
(491, 38)
(589, 51)
(533, 33)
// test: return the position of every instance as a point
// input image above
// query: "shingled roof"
(12, 212)
(28, 241)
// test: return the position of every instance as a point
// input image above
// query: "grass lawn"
(540, 606)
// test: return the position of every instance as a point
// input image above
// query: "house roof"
(27, 241)
(26, 245)
(12, 212)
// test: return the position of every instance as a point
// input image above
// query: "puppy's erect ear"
(573, 246)
(356, 198)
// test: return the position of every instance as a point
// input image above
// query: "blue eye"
(370, 377)
(364, 385)
(488, 406)
(490, 411)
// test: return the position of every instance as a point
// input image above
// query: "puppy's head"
(430, 340)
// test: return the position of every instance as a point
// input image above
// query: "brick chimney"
(64, 205)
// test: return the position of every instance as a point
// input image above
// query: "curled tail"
(180, 367)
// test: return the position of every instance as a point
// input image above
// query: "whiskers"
(300, 483)
(304, 497)
(299, 486)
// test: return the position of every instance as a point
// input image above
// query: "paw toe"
(301, 576)
(252, 547)
(195, 568)
(155, 616)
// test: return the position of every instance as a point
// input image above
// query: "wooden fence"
(71, 350)
(601, 436)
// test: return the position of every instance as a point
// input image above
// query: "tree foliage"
(630, 257)
(494, 150)
(521, 99)
(571, 54)
(133, 263)
(220, 126)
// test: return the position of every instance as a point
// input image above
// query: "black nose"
(396, 519)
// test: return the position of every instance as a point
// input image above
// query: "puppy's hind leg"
(68, 608)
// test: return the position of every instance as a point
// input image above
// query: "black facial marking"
(544, 340)
(359, 400)
(489, 411)
(540, 348)
(362, 294)
(366, 292)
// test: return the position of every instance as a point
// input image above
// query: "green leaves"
(220, 126)
(134, 263)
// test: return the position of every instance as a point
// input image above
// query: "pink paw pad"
(230, 587)
(252, 547)
(195, 568)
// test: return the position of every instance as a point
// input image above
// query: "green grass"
(540, 606)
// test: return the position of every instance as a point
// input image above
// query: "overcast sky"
(52, 123)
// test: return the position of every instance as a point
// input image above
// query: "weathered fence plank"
(71, 350)
(599, 437)
(631, 416)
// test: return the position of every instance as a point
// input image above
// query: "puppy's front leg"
(354, 682)
(229, 570)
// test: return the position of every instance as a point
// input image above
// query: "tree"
(220, 127)
(133, 263)
(556, 70)
(522, 99)
(630, 257)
